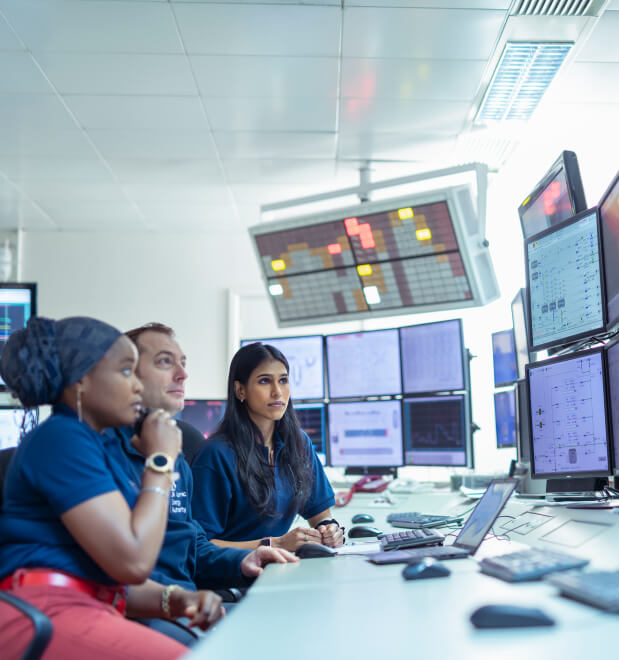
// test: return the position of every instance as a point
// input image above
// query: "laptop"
(471, 535)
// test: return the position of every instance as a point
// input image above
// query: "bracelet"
(155, 489)
(327, 522)
(165, 599)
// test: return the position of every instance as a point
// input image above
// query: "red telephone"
(371, 483)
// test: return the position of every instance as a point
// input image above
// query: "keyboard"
(598, 588)
(415, 520)
(530, 564)
(411, 538)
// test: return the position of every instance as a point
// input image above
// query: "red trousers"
(84, 629)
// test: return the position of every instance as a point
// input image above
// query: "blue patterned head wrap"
(39, 361)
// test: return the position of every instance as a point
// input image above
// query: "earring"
(79, 402)
(242, 400)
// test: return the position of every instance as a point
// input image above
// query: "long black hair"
(256, 475)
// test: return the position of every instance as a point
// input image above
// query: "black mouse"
(427, 567)
(314, 550)
(362, 518)
(509, 616)
(363, 531)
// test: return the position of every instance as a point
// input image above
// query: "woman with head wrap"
(75, 528)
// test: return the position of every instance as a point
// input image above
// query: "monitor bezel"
(511, 391)
(568, 162)
(610, 323)
(572, 475)
(325, 427)
(465, 380)
(614, 441)
(581, 335)
(521, 295)
(506, 383)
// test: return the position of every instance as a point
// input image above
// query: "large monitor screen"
(204, 414)
(564, 281)
(612, 355)
(432, 357)
(609, 219)
(305, 357)
(13, 426)
(363, 364)
(365, 434)
(504, 358)
(521, 342)
(311, 418)
(568, 416)
(435, 430)
(558, 196)
(505, 418)
(17, 304)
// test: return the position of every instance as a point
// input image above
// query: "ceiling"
(184, 116)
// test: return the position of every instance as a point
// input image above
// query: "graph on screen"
(311, 418)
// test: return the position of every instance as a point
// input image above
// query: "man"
(187, 558)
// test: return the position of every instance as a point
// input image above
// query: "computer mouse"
(509, 616)
(314, 550)
(362, 518)
(363, 531)
(427, 567)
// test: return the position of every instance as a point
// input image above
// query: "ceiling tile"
(420, 33)
(111, 73)
(271, 144)
(242, 29)
(173, 216)
(587, 82)
(244, 76)
(274, 114)
(41, 141)
(20, 75)
(190, 193)
(8, 39)
(436, 4)
(19, 169)
(130, 27)
(138, 112)
(88, 216)
(602, 45)
(21, 213)
(23, 111)
(396, 146)
(281, 171)
(70, 191)
(168, 171)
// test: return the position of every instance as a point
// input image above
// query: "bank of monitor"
(437, 430)
(312, 419)
(520, 324)
(365, 433)
(612, 360)
(363, 364)
(505, 418)
(565, 282)
(13, 425)
(18, 302)
(305, 357)
(433, 357)
(204, 414)
(570, 435)
(523, 422)
(609, 220)
(558, 196)
(504, 358)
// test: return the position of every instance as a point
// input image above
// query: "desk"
(344, 607)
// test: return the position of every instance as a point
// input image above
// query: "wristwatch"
(160, 462)
(265, 541)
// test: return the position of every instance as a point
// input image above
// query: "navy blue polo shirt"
(58, 465)
(223, 509)
(187, 557)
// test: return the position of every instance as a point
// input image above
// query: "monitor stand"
(575, 490)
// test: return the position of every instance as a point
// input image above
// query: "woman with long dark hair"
(259, 470)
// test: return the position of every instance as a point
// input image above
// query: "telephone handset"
(370, 483)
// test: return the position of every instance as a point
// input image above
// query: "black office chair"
(192, 440)
(5, 459)
(43, 628)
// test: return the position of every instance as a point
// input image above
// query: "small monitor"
(569, 420)
(504, 358)
(558, 196)
(13, 425)
(432, 357)
(363, 364)
(521, 341)
(612, 358)
(365, 434)
(565, 283)
(505, 418)
(305, 357)
(436, 430)
(204, 414)
(18, 302)
(312, 420)
(609, 220)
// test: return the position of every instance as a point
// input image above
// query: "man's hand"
(203, 608)
(253, 563)
(331, 535)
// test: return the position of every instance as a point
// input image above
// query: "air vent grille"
(557, 7)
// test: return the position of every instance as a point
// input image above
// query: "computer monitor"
(204, 414)
(609, 220)
(305, 357)
(437, 430)
(505, 418)
(565, 289)
(365, 434)
(521, 341)
(18, 302)
(13, 426)
(612, 360)
(363, 364)
(569, 420)
(523, 422)
(433, 357)
(558, 196)
(312, 419)
(504, 358)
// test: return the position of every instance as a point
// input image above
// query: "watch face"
(160, 460)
